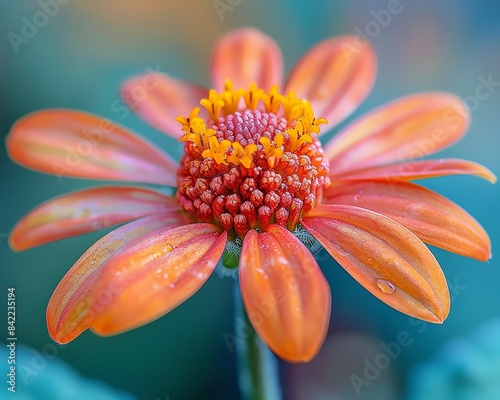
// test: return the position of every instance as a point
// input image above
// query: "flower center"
(253, 161)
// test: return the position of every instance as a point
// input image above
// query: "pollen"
(252, 160)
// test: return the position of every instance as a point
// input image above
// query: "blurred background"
(79, 56)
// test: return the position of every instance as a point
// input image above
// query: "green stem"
(258, 376)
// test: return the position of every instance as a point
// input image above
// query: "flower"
(253, 173)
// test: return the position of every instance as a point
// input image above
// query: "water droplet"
(357, 197)
(171, 286)
(165, 276)
(385, 286)
(168, 248)
(159, 270)
(201, 275)
(158, 254)
(93, 262)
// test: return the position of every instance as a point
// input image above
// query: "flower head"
(253, 177)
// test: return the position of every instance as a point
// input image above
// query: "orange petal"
(67, 312)
(285, 293)
(86, 211)
(433, 218)
(335, 76)
(411, 127)
(154, 276)
(418, 170)
(384, 257)
(159, 99)
(247, 56)
(80, 145)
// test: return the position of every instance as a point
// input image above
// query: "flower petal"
(68, 312)
(418, 170)
(335, 76)
(155, 276)
(159, 99)
(247, 56)
(285, 293)
(86, 211)
(411, 127)
(384, 257)
(81, 145)
(433, 218)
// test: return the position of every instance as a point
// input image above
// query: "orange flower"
(253, 172)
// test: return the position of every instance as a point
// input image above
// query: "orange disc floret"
(255, 160)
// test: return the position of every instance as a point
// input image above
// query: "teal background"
(79, 59)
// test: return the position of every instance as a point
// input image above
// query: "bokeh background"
(78, 59)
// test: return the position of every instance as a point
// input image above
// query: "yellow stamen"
(197, 133)
(253, 96)
(213, 104)
(298, 136)
(272, 100)
(292, 106)
(242, 154)
(217, 150)
(185, 122)
(273, 150)
(231, 97)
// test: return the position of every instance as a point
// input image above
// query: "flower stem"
(258, 376)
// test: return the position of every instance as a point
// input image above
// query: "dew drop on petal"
(159, 270)
(168, 248)
(158, 254)
(200, 275)
(385, 286)
(93, 262)
(171, 286)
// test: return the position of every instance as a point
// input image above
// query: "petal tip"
(15, 244)
(491, 177)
